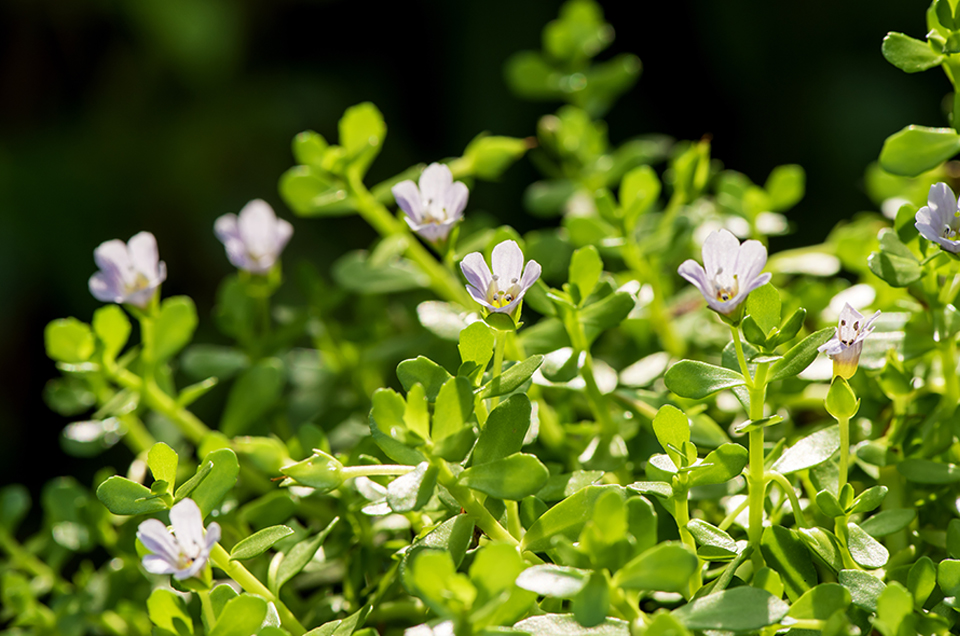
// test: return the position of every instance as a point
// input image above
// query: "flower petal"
(926, 230)
(143, 254)
(720, 252)
(226, 228)
(103, 288)
(947, 244)
(155, 537)
(187, 522)
(942, 201)
(751, 259)
(158, 565)
(530, 275)
(507, 262)
(693, 272)
(283, 231)
(479, 296)
(112, 256)
(434, 181)
(257, 222)
(476, 272)
(407, 196)
(456, 200)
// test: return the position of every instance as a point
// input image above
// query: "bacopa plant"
(636, 422)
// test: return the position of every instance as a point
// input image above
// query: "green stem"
(755, 476)
(24, 559)
(948, 360)
(137, 437)
(442, 281)
(250, 583)
(513, 518)
(681, 512)
(844, 452)
(629, 611)
(659, 316)
(788, 490)
(729, 519)
(207, 608)
(500, 340)
(188, 423)
(598, 402)
(348, 472)
(741, 359)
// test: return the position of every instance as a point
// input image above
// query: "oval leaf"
(259, 542)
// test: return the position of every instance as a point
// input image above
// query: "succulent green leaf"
(566, 519)
(741, 609)
(672, 429)
(719, 466)
(423, 371)
(259, 542)
(512, 379)
(763, 304)
(820, 602)
(162, 461)
(124, 497)
(513, 477)
(666, 567)
(800, 355)
(585, 270)
(412, 491)
(785, 187)
(298, 557)
(887, 522)
(925, 471)
(558, 581)
(503, 433)
(241, 616)
(167, 611)
(909, 54)
(916, 149)
(217, 480)
(174, 326)
(697, 380)
(69, 340)
(865, 589)
(813, 449)
(112, 328)
(454, 407)
(784, 551)
(253, 395)
(864, 549)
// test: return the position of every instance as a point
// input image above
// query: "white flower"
(847, 343)
(254, 239)
(501, 290)
(939, 219)
(183, 553)
(730, 270)
(435, 207)
(129, 272)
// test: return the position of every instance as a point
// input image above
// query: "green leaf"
(162, 461)
(639, 191)
(697, 380)
(953, 534)
(785, 187)
(824, 545)
(841, 402)
(436, 581)
(672, 428)
(363, 273)
(895, 270)
(784, 551)
(719, 466)
(829, 505)
(948, 577)
(591, 604)
(714, 542)
(558, 581)
(174, 326)
(585, 270)
(908, 54)
(69, 340)
(763, 304)
(202, 361)
(606, 314)
(888, 521)
(741, 609)
(309, 192)
(241, 616)
(800, 355)
(821, 602)
(362, 131)
(752, 331)
(567, 625)
(562, 486)
(495, 568)
(321, 471)
(412, 491)
(504, 431)
(489, 155)
(252, 396)
(423, 371)
(388, 428)
(220, 479)
(298, 557)
(566, 519)
(925, 471)
(476, 345)
(453, 536)
(309, 148)
(916, 149)
(666, 567)
(112, 327)
(511, 379)
(864, 549)
(810, 451)
(14, 505)
(124, 497)
(893, 606)
(922, 579)
(790, 328)
(416, 413)
(513, 477)
(259, 542)
(865, 589)
(869, 499)
(167, 611)
(454, 407)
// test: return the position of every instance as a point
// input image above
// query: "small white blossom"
(436, 206)
(847, 343)
(730, 270)
(501, 290)
(183, 553)
(255, 238)
(129, 272)
(939, 220)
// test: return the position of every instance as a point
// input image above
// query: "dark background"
(118, 116)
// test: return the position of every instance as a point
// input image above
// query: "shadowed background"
(160, 115)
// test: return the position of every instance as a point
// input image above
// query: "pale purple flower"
(847, 343)
(939, 219)
(185, 552)
(435, 207)
(502, 289)
(730, 270)
(255, 238)
(129, 272)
